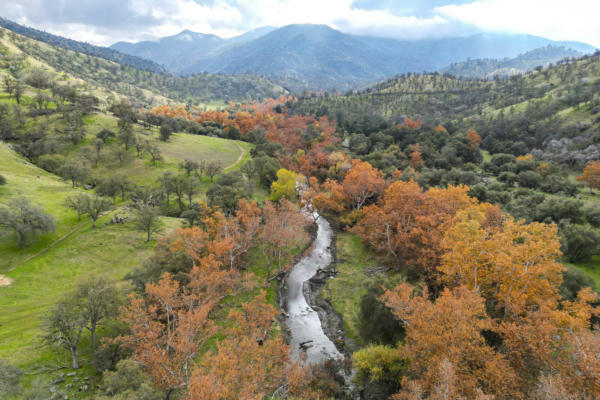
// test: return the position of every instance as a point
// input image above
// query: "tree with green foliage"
(377, 324)
(147, 220)
(105, 135)
(166, 184)
(25, 219)
(579, 242)
(178, 186)
(98, 146)
(75, 170)
(213, 168)
(193, 214)
(97, 299)
(64, 327)
(18, 91)
(95, 207)
(154, 152)
(126, 135)
(228, 190)
(382, 364)
(122, 184)
(591, 211)
(191, 187)
(78, 203)
(128, 382)
(165, 132)
(189, 166)
(10, 379)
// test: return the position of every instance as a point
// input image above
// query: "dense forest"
(147, 241)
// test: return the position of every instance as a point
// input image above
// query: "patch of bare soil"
(5, 281)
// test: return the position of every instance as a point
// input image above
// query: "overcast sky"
(104, 22)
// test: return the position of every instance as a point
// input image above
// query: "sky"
(104, 22)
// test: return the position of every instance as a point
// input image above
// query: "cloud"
(553, 19)
(107, 21)
(104, 22)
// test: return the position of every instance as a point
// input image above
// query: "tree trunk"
(21, 238)
(93, 330)
(75, 358)
(149, 235)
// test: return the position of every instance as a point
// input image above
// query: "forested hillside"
(139, 85)
(517, 115)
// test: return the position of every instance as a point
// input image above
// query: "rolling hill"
(84, 48)
(318, 57)
(142, 87)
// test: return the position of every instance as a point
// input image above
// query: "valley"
(298, 212)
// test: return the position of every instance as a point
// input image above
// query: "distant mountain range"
(319, 57)
(490, 67)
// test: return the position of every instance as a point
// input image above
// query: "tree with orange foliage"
(410, 124)
(440, 128)
(474, 138)
(245, 122)
(282, 231)
(515, 267)
(361, 183)
(556, 342)
(407, 224)
(166, 332)
(416, 160)
(237, 232)
(448, 333)
(249, 363)
(329, 197)
(591, 175)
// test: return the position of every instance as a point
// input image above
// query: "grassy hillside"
(48, 269)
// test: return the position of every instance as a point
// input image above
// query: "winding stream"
(303, 322)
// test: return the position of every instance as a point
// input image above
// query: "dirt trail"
(240, 158)
(45, 249)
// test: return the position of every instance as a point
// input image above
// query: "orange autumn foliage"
(591, 174)
(407, 224)
(448, 331)
(361, 183)
(166, 329)
(410, 124)
(248, 363)
(282, 231)
(515, 266)
(474, 138)
(416, 161)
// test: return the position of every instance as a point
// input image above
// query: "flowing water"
(303, 322)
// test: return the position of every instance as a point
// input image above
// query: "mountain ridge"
(311, 56)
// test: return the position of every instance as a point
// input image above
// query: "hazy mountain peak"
(316, 56)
